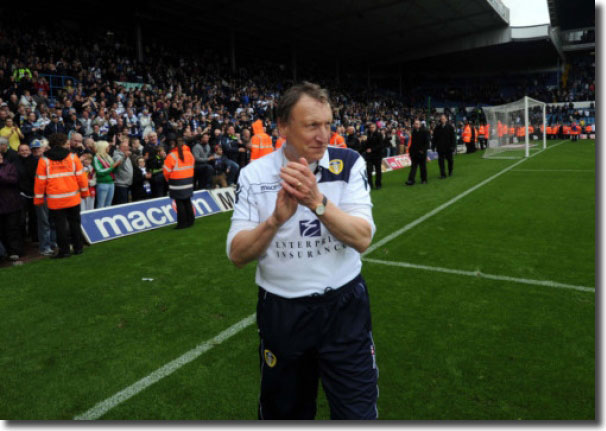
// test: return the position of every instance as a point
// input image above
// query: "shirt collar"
(324, 162)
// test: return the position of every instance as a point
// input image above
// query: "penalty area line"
(479, 274)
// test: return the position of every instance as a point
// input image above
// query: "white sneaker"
(14, 257)
(47, 253)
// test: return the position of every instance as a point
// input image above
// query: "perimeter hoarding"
(117, 221)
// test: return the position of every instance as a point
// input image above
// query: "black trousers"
(67, 226)
(326, 337)
(483, 143)
(10, 232)
(420, 162)
(29, 221)
(203, 176)
(158, 185)
(121, 195)
(374, 162)
(185, 213)
(448, 157)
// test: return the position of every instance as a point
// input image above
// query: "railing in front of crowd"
(57, 82)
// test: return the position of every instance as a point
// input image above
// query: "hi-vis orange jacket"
(280, 142)
(466, 135)
(337, 140)
(62, 181)
(179, 173)
(521, 132)
(588, 129)
(483, 131)
(260, 144)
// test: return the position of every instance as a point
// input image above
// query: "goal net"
(516, 129)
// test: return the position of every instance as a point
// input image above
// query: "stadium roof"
(353, 30)
(569, 15)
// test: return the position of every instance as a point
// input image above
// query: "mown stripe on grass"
(479, 274)
(104, 406)
(445, 205)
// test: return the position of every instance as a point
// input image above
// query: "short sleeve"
(356, 198)
(246, 213)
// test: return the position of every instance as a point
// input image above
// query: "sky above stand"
(527, 12)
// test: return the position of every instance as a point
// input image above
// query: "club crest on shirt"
(270, 358)
(335, 166)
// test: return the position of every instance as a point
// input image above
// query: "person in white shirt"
(304, 212)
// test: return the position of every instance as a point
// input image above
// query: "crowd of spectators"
(123, 115)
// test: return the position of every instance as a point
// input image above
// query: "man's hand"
(286, 206)
(300, 182)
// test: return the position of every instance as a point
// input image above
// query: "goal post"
(516, 129)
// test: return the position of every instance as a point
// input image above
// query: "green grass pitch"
(449, 346)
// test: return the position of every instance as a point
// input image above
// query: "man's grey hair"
(3, 140)
(294, 93)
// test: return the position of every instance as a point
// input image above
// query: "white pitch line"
(104, 406)
(479, 274)
(445, 205)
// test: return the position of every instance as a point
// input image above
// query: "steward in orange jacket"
(466, 136)
(179, 173)
(483, 136)
(337, 140)
(260, 144)
(61, 180)
(575, 131)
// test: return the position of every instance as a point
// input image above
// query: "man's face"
(372, 127)
(124, 147)
(417, 125)
(443, 119)
(205, 139)
(231, 130)
(75, 140)
(9, 122)
(308, 129)
(24, 150)
(153, 138)
(32, 117)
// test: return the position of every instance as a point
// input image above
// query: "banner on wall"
(117, 221)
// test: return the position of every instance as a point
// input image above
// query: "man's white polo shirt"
(303, 258)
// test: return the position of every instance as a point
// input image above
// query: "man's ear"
(283, 129)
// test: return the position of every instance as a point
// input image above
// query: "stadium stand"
(105, 84)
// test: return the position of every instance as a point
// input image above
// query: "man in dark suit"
(445, 142)
(373, 152)
(419, 145)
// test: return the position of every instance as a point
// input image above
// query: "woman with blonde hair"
(104, 166)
